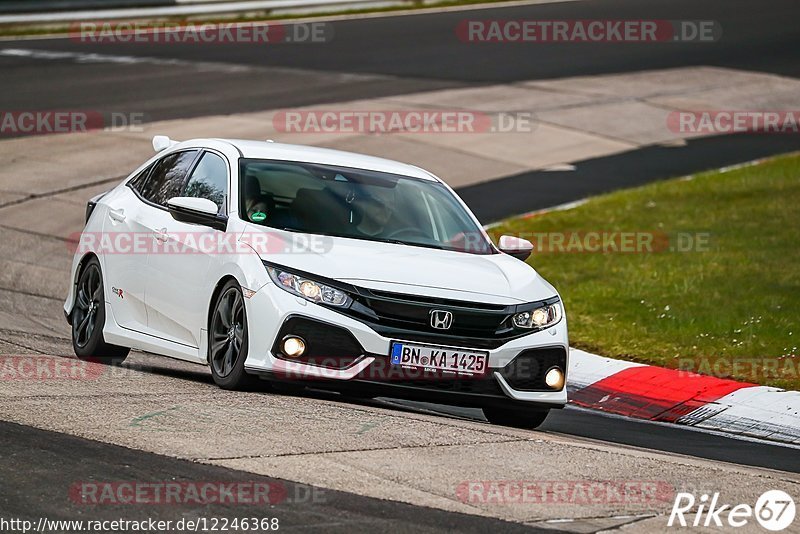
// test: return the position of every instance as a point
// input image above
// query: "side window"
(167, 178)
(209, 180)
(137, 182)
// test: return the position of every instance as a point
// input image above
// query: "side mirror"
(515, 246)
(194, 210)
(162, 142)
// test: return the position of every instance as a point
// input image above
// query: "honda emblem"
(441, 319)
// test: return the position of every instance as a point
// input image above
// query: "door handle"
(161, 235)
(117, 215)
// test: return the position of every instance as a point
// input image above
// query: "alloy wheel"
(87, 305)
(227, 332)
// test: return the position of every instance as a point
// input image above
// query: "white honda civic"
(318, 268)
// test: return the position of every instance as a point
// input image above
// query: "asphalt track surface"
(390, 55)
(380, 57)
(667, 438)
(535, 190)
(32, 487)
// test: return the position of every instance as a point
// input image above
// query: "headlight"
(308, 289)
(542, 317)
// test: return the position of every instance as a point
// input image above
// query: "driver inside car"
(258, 206)
(375, 214)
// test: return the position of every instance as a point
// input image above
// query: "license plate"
(448, 359)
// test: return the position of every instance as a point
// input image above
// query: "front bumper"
(370, 372)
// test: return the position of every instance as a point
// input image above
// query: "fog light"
(293, 347)
(554, 378)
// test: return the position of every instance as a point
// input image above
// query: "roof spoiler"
(160, 142)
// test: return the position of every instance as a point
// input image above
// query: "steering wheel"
(409, 231)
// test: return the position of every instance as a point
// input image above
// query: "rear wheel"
(515, 417)
(228, 340)
(89, 317)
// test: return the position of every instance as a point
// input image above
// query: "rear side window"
(209, 180)
(167, 177)
(137, 182)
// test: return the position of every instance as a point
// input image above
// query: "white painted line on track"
(79, 57)
(561, 207)
(200, 66)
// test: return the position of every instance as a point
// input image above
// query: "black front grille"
(469, 320)
(326, 345)
(526, 371)
(397, 297)
(408, 317)
(383, 372)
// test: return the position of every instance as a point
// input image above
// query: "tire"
(514, 417)
(88, 318)
(228, 340)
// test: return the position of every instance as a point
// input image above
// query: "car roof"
(312, 154)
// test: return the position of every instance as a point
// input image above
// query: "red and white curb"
(671, 396)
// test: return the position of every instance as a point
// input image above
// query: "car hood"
(497, 278)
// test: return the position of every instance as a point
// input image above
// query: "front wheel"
(89, 317)
(227, 339)
(515, 417)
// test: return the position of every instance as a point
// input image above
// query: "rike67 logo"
(774, 510)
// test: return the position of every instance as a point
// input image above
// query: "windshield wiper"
(410, 243)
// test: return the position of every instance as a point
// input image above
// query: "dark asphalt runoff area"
(380, 57)
(39, 471)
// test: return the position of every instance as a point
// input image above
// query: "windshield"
(356, 203)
